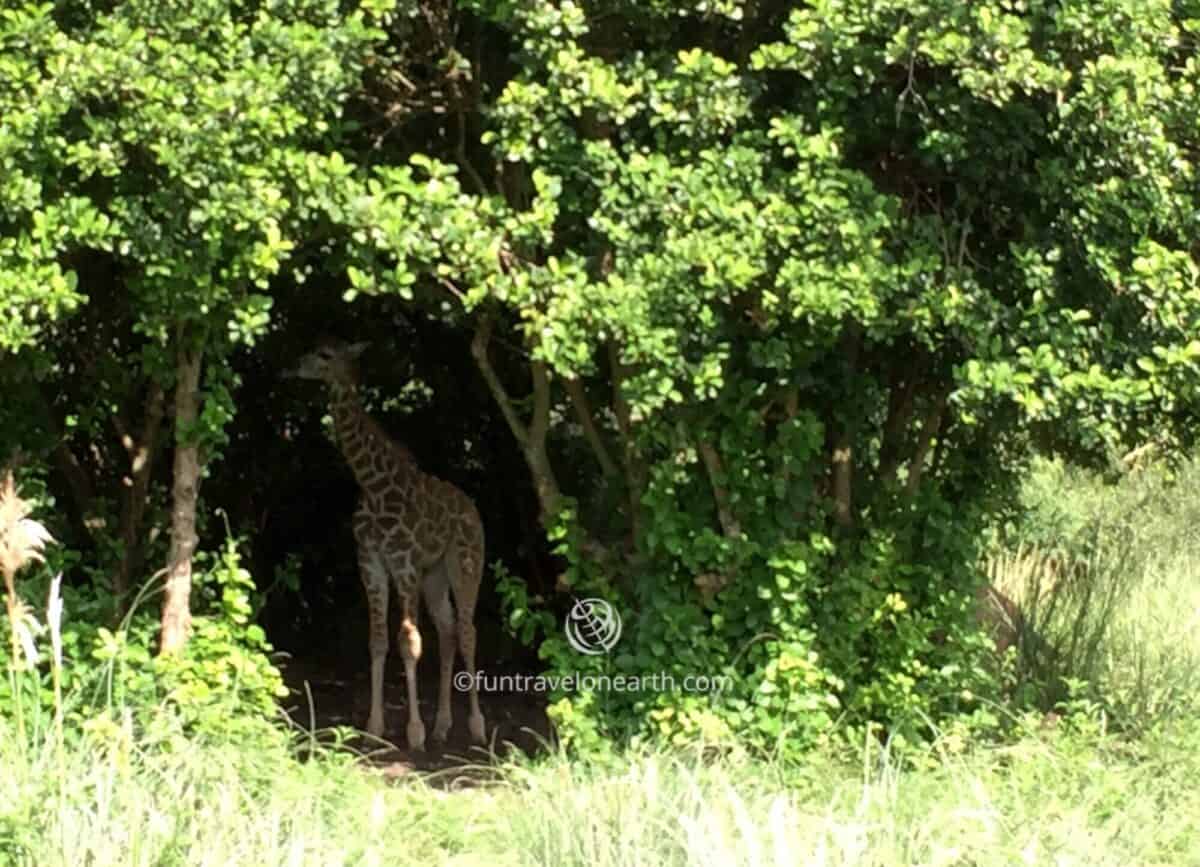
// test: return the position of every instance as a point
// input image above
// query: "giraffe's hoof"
(375, 726)
(477, 729)
(416, 735)
(441, 729)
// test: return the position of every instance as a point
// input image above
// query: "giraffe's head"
(332, 361)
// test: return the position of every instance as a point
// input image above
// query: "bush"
(222, 685)
(808, 640)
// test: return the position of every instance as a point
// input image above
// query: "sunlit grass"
(1058, 797)
(1112, 579)
(1125, 606)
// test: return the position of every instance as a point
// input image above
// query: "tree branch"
(531, 437)
(929, 430)
(716, 478)
(479, 349)
(583, 411)
(539, 425)
(460, 150)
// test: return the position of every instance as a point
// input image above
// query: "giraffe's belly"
(421, 526)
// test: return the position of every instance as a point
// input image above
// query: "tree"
(188, 140)
(822, 278)
(775, 300)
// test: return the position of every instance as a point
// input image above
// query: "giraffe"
(420, 531)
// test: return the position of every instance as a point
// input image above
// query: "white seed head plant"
(22, 540)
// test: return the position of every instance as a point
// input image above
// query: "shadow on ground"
(326, 693)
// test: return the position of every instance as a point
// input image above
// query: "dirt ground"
(341, 696)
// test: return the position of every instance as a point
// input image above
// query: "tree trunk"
(895, 428)
(929, 430)
(71, 469)
(842, 457)
(635, 472)
(141, 468)
(176, 610)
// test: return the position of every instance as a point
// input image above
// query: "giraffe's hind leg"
(437, 598)
(464, 564)
(410, 650)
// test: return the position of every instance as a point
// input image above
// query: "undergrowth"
(1107, 779)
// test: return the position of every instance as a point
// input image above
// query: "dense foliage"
(773, 300)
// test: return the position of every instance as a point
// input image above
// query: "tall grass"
(1109, 573)
(1056, 798)
(1119, 604)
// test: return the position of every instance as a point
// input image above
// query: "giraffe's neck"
(372, 455)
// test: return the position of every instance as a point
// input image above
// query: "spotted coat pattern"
(415, 534)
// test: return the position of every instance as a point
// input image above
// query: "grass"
(1112, 580)
(1111, 575)
(1060, 797)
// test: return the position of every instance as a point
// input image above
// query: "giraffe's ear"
(354, 350)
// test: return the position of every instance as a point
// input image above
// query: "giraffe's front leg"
(375, 582)
(410, 648)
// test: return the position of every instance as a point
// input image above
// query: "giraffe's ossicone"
(416, 534)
